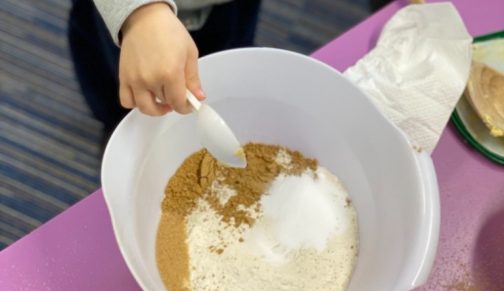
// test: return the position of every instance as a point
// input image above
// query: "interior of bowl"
(277, 97)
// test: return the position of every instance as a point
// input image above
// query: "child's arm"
(115, 12)
(158, 58)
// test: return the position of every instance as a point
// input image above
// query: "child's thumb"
(193, 81)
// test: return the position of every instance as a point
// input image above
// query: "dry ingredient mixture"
(248, 229)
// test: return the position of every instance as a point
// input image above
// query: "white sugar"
(306, 211)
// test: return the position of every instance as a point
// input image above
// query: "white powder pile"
(306, 210)
(283, 159)
(224, 193)
(305, 238)
(210, 244)
(309, 230)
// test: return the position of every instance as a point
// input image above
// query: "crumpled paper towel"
(418, 70)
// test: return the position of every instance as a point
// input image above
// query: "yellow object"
(240, 153)
(494, 131)
(485, 93)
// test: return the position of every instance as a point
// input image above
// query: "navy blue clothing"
(96, 57)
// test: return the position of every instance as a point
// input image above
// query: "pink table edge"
(77, 249)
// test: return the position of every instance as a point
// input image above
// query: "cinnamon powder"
(193, 180)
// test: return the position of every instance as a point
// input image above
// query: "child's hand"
(158, 59)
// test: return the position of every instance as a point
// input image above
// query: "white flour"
(224, 193)
(283, 159)
(305, 240)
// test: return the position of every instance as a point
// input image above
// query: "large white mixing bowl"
(279, 97)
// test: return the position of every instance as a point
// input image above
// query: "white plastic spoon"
(216, 136)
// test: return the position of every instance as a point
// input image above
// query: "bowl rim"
(426, 175)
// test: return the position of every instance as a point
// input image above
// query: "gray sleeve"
(115, 12)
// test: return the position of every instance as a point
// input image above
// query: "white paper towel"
(418, 70)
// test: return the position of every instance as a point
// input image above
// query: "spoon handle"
(194, 102)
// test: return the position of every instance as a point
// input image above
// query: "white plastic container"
(279, 97)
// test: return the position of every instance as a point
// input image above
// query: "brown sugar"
(184, 188)
(197, 173)
(194, 180)
(171, 252)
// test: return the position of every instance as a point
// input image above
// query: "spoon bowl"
(216, 136)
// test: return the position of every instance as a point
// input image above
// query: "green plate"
(465, 118)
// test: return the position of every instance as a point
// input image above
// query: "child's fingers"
(146, 104)
(126, 97)
(193, 82)
(174, 90)
(160, 100)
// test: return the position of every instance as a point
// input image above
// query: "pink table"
(77, 250)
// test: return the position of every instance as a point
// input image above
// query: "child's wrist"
(145, 11)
